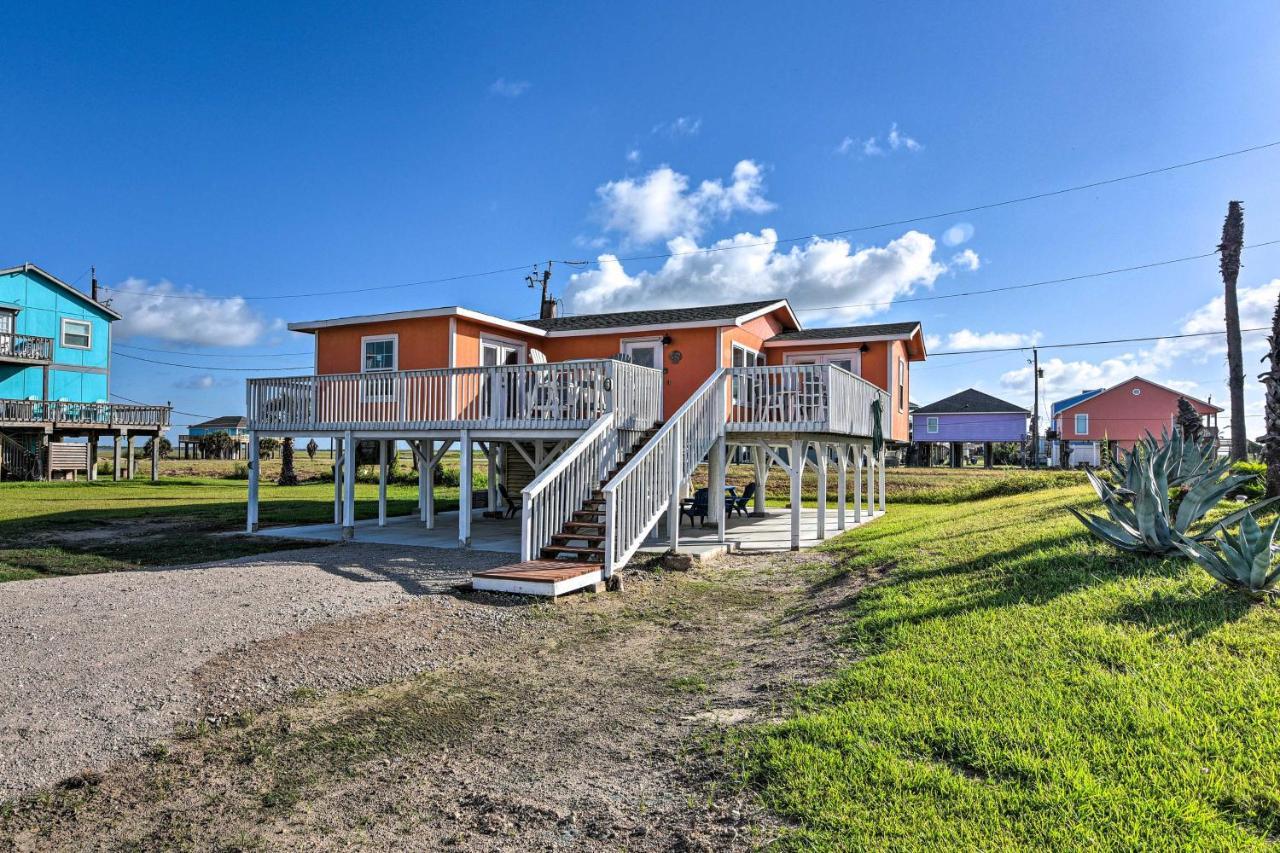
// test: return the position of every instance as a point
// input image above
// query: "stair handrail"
(562, 487)
(649, 479)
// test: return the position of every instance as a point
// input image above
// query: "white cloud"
(817, 274)
(959, 233)
(966, 339)
(895, 140)
(151, 311)
(679, 126)
(633, 155)
(504, 88)
(198, 383)
(966, 260)
(661, 205)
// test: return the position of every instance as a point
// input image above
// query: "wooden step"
(584, 554)
(539, 577)
(567, 538)
(584, 526)
(589, 516)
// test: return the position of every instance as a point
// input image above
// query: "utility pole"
(547, 306)
(1035, 408)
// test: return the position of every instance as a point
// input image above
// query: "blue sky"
(268, 149)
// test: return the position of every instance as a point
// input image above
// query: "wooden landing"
(539, 577)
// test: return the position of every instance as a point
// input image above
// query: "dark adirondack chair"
(742, 504)
(695, 507)
(513, 504)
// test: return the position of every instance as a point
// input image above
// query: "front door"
(504, 395)
(646, 353)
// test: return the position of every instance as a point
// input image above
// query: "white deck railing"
(641, 492)
(802, 398)
(559, 491)
(563, 395)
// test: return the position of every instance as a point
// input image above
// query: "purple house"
(969, 417)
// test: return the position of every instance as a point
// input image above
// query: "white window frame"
(931, 425)
(369, 392)
(902, 384)
(660, 358)
(825, 357)
(757, 357)
(62, 336)
(497, 340)
(1084, 431)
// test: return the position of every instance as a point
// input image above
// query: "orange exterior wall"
(424, 343)
(875, 367)
(1123, 418)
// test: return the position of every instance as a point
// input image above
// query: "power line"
(175, 411)
(207, 367)
(1080, 277)
(715, 249)
(217, 355)
(1091, 343)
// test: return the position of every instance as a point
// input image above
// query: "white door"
(504, 395)
(643, 353)
(850, 361)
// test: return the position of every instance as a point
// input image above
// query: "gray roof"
(657, 317)
(872, 331)
(225, 422)
(971, 400)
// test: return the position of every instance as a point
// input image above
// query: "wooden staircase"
(575, 557)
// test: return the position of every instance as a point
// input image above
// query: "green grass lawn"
(1023, 685)
(66, 528)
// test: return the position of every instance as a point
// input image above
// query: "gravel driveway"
(98, 667)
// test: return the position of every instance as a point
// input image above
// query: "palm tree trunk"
(1232, 240)
(1271, 410)
(287, 475)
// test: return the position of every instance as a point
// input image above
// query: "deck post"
(349, 487)
(490, 467)
(382, 482)
(820, 456)
(842, 485)
(871, 483)
(92, 473)
(251, 522)
(857, 484)
(880, 466)
(715, 495)
(155, 457)
(131, 461)
(424, 450)
(673, 508)
(115, 456)
(798, 450)
(465, 475)
(336, 447)
(761, 458)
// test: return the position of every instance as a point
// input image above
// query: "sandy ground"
(98, 667)
(595, 723)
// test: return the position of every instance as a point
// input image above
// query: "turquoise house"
(55, 341)
(55, 380)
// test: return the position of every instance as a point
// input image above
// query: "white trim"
(734, 345)
(520, 346)
(918, 413)
(62, 333)
(854, 356)
(453, 342)
(652, 339)
(547, 588)
(452, 312)
(1076, 423)
(901, 385)
(853, 339)
(60, 283)
(395, 352)
(769, 309)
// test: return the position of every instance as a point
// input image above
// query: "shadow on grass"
(1184, 614)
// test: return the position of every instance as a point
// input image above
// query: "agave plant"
(1241, 561)
(1143, 516)
(1181, 461)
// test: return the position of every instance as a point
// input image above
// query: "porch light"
(666, 340)
(864, 348)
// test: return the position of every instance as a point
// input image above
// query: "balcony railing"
(15, 347)
(803, 398)
(61, 412)
(563, 395)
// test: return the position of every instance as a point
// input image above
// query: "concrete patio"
(487, 534)
(771, 532)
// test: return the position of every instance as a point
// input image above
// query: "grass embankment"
(1024, 685)
(61, 528)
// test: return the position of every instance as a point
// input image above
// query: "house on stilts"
(592, 426)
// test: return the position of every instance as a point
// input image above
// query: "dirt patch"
(115, 530)
(594, 726)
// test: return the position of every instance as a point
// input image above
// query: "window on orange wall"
(902, 384)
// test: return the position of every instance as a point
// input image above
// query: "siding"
(41, 307)
(962, 426)
(1118, 415)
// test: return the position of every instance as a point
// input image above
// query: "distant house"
(967, 417)
(236, 426)
(1120, 415)
(55, 370)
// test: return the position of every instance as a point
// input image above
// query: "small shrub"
(239, 472)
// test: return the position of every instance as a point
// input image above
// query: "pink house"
(1122, 414)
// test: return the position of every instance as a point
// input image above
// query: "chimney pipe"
(548, 309)
(93, 283)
